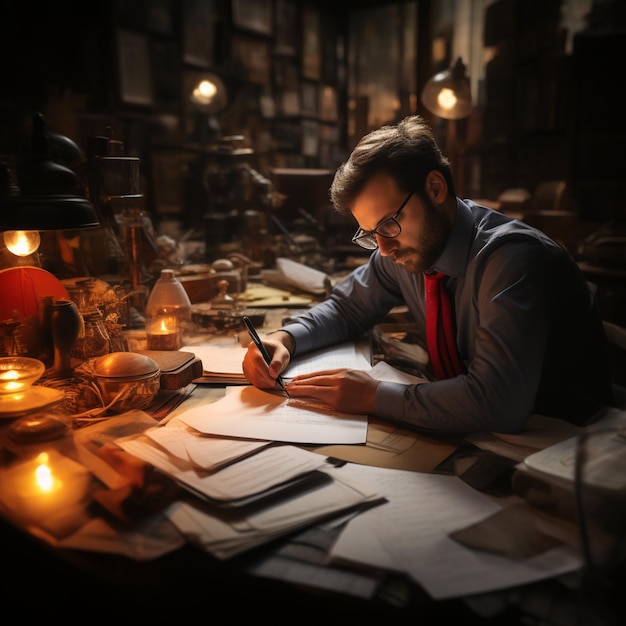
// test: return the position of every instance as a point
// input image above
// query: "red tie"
(440, 331)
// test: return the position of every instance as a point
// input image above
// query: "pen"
(262, 349)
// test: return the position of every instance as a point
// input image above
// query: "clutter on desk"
(582, 470)
(295, 275)
(402, 345)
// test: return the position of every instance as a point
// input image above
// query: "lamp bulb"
(447, 99)
(22, 242)
(204, 92)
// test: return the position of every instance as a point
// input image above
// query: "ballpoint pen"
(262, 349)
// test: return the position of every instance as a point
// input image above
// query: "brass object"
(127, 380)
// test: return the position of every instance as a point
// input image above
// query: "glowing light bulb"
(22, 242)
(446, 99)
(204, 92)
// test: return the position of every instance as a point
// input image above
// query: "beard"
(432, 241)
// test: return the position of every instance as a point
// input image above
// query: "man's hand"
(347, 391)
(279, 346)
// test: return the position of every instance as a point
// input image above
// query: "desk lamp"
(448, 95)
(44, 199)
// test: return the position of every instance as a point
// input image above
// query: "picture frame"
(311, 43)
(168, 171)
(198, 36)
(256, 56)
(158, 16)
(135, 69)
(286, 28)
(309, 100)
(290, 102)
(254, 15)
(328, 106)
(310, 138)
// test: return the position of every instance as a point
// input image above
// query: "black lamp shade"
(47, 197)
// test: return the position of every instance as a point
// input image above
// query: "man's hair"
(406, 151)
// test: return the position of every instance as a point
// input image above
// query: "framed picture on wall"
(256, 55)
(254, 15)
(310, 138)
(168, 172)
(198, 32)
(311, 44)
(135, 68)
(286, 35)
(309, 98)
(328, 104)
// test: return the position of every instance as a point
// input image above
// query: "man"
(528, 332)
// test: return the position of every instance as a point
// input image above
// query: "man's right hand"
(279, 346)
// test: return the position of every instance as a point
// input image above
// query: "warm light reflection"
(22, 242)
(447, 99)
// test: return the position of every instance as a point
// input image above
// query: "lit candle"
(163, 334)
(11, 381)
(46, 488)
(19, 373)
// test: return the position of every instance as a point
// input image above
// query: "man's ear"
(436, 187)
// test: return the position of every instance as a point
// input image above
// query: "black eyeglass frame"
(367, 238)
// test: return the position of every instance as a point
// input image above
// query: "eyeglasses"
(388, 228)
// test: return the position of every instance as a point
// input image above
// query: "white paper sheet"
(250, 476)
(248, 412)
(224, 537)
(202, 451)
(409, 533)
(342, 355)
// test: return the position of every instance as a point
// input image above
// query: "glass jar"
(94, 339)
(168, 313)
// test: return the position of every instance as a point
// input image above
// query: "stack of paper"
(256, 414)
(263, 494)
(220, 363)
(225, 533)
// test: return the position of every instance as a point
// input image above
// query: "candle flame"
(11, 381)
(43, 473)
(164, 326)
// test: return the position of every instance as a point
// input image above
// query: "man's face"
(425, 227)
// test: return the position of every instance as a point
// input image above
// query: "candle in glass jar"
(10, 381)
(48, 485)
(163, 334)
(17, 374)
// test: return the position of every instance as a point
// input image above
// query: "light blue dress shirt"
(528, 329)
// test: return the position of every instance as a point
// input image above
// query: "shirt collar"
(453, 259)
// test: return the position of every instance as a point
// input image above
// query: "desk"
(44, 582)
(187, 582)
